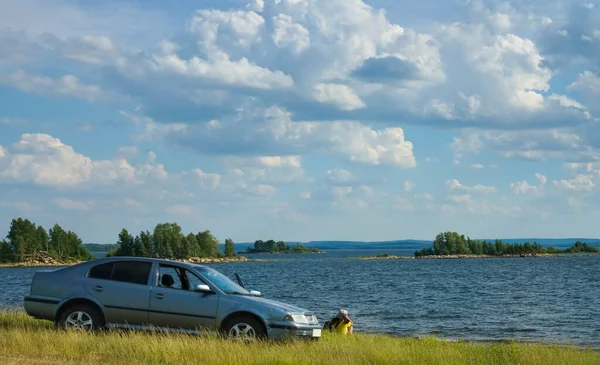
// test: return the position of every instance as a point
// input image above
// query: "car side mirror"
(203, 288)
(255, 293)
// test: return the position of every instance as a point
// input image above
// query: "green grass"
(27, 341)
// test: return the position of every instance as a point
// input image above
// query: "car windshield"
(222, 281)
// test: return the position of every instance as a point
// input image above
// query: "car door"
(122, 287)
(175, 304)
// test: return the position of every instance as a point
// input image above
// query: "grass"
(24, 340)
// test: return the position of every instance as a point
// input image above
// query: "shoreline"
(191, 260)
(455, 257)
(504, 256)
(217, 260)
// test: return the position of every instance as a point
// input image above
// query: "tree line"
(271, 246)
(25, 239)
(453, 243)
(168, 241)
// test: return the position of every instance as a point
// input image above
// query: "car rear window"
(102, 271)
(135, 272)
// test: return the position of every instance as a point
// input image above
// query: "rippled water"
(550, 299)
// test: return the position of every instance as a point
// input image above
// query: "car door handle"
(159, 296)
(98, 288)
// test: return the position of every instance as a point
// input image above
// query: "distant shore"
(448, 257)
(202, 260)
(282, 252)
(191, 260)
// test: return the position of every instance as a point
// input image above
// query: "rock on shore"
(206, 260)
(390, 257)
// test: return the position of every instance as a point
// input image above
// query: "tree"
(23, 237)
(209, 245)
(165, 237)
(6, 254)
(146, 248)
(43, 238)
(281, 246)
(229, 248)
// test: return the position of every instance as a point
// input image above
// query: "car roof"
(150, 259)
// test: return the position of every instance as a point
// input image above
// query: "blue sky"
(302, 119)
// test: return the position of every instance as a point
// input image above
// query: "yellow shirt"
(342, 327)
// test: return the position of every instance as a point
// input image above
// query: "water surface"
(529, 299)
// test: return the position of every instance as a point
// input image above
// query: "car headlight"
(301, 318)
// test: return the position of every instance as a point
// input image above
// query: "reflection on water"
(549, 299)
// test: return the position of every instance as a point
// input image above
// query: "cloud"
(267, 169)
(68, 204)
(587, 85)
(67, 85)
(523, 188)
(339, 176)
(567, 144)
(179, 209)
(409, 185)
(340, 95)
(541, 178)
(45, 160)
(578, 183)
(273, 131)
(456, 185)
(12, 121)
(305, 195)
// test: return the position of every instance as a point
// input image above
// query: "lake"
(527, 299)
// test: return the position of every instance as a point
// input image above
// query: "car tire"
(81, 317)
(244, 328)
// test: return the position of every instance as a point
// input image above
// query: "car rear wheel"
(244, 328)
(81, 317)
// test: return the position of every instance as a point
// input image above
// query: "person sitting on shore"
(342, 323)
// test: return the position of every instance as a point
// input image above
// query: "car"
(150, 293)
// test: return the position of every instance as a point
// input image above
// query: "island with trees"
(271, 246)
(29, 243)
(455, 245)
(167, 241)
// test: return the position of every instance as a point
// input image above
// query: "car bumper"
(40, 307)
(290, 330)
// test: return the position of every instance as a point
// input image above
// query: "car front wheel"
(81, 317)
(244, 328)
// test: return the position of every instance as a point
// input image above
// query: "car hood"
(278, 305)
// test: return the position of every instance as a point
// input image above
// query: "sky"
(302, 120)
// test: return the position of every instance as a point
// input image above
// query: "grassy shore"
(27, 341)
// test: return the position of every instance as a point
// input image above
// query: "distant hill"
(352, 245)
(556, 242)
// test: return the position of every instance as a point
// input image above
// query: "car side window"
(102, 271)
(135, 272)
(193, 279)
(177, 278)
(169, 278)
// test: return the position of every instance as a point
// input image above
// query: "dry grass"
(27, 341)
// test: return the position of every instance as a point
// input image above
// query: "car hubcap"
(242, 331)
(80, 321)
